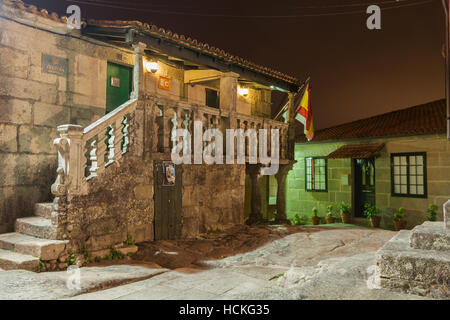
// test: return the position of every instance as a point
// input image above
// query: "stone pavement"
(329, 264)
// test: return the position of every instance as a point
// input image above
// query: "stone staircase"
(33, 241)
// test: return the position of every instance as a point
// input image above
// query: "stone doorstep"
(410, 269)
(13, 260)
(37, 227)
(430, 236)
(43, 210)
(40, 248)
(124, 250)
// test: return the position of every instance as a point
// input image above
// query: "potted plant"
(432, 208)
(399, 219)
(314, 217)
(345, 210)
(330, 218)
(372, 213)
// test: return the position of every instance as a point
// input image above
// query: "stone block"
(430, 236)
(128, 250)
(15, 111)
(50, 115)
(35, 139)
(8, 138)
(143, 192)
(14, 63)
(27, 89)
(413, 270)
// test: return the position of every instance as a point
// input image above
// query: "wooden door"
(167, 199)
(364, 184)
(118, 85)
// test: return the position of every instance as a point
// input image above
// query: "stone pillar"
(255, 176)
(447, 215)
(138, 70)
(228, 91)
(281, 192)
(291, 128)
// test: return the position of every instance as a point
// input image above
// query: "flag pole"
(287, 103)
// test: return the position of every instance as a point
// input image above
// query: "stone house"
(87, 119)
(397, 159)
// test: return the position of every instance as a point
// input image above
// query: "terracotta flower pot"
(331, 220)
(346, 217)
(399, 224)
(315, 220)
(375, 221)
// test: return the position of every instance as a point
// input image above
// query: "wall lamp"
(151, 66)
(243, 91)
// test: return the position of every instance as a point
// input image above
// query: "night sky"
(355, 72)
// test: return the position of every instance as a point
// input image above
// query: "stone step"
(414, 270)
(431, 236)
(40, 248)
(10, 260)
(43, 210)
(37, 227)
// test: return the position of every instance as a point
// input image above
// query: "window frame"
(209, 91)
(313, 174)
(425, 180)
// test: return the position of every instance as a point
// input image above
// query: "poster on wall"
(164, 83)
(169, 174)
(54, 65)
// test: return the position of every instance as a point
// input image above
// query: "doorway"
(118, 85)
(167, 199)
(364, 184)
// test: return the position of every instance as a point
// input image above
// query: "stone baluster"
(110, 156)
(92, 153)
(125, 134)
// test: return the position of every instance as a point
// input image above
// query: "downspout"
(445, 5)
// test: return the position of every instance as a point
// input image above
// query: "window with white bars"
(408, 174)
(316, 174)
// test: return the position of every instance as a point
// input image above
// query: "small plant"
(432, 208)
(277, 276)
(71, 260)
(344, 207)
(371, 211)
(399, 214)
(314, 213)
(298, 220)
(129, 241)
(87, 256)
(114, 255)
(214, 231)
(41, 267)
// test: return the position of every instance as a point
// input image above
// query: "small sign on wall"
(164, 83)
(54, 65)
(115, 82)
(169, 174)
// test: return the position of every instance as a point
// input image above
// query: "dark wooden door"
(364, 184)
(167, 199)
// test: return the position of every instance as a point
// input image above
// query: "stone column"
(138, 70)
(291, 128)
(281, 192)
(255, 176)
(228, 91)
(447, 215)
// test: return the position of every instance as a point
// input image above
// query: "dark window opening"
(212, 98)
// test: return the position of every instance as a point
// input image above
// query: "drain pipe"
(445, 5)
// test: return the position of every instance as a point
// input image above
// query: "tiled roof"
(356, 151)
(160, 32)
(428, 118)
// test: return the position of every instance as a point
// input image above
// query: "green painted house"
(397, 159)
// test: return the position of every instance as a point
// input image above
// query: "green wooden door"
(364, 184)
(118, 85)
(167, 199)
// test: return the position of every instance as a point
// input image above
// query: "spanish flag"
(304, 114)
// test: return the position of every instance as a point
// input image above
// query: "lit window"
(409, 174)
(316, 174)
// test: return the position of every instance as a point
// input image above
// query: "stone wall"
(119, 204)
(33, 103)
(213, 197)
(437, 149)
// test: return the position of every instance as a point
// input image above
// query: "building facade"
(87, 128)
(398, 159)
